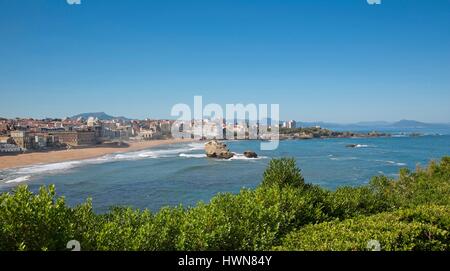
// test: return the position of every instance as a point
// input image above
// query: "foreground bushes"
(283, 213)
(251, 220)
(420, 228)
(37, 222)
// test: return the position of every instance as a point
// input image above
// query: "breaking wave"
(196, 146)
(392, 163)
(342, 158)
(193, 155)
(19, 179)
(239, 156)
(362, 146)
(54, 167)
(25, 173)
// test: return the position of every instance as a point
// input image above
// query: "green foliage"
(251, 220)
(284, 213)
(420, 228)
(431, 184)
(283, 172)
(162, 232)
(315, 131)
(34, 222)
(348, 202)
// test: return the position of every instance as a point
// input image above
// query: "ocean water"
(181, 174)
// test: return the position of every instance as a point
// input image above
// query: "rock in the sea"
(216, 149)
(250, 154)
(352, 146)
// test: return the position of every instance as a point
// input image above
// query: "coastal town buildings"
(47, 134)
(22, 139)
(6, 139)
(6, 148)
(149, 135)
(91, 122)
(76, 138)
(4, 126)
(30, 134)
(292, 124)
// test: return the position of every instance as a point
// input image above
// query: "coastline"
(28, 159)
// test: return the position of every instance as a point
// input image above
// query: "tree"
(283, 172)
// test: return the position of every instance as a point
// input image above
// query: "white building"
(291, 124)
(91, 122)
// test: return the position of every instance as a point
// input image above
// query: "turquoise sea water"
(181, 174)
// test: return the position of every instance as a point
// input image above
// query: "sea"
(181, 174)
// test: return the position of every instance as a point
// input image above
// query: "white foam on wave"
(193, 155)
(342, 158)
(47, 167)
(393, 163)
(146, 154)
(24, 173)
(362, 146)
(196, 146)
(239, 156)
(20, 179)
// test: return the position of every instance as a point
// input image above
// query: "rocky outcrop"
(250, 154)
(216, 149)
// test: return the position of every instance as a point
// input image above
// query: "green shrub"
(251, 220)
(119, 228)
(161, 233)
(421, 228)
(348, 202)
(283, 172)
(86, 225)
(34, 222)
(426, 185)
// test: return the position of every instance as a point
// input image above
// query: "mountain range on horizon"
(98, 115)
(378, 125)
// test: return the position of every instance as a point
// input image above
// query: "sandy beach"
(27, 159)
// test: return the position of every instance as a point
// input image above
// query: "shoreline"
(56, 156)
(35, 158)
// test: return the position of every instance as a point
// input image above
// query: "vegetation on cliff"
(283, 213)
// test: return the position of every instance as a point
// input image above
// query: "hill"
(98, 115)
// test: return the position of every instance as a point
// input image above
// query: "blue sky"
(340, 61)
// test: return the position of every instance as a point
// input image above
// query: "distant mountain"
(378, 125)
(373, 123)
(98, 115)
(319, 123)
(413, 124)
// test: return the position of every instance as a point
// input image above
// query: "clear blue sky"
(340, 61)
